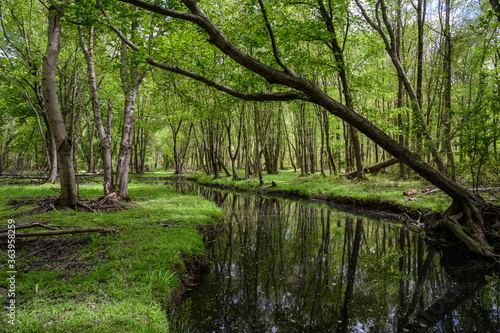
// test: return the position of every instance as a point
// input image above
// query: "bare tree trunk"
(104, 138)
(52, 149)
(258, 166)
(175, 132)
(131, 80)
(421, 12)
(68, 194)
(234, 155)
(402, 167)
(320, 114)
(447, 93)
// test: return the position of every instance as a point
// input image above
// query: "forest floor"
(384, 192)
(125, 281)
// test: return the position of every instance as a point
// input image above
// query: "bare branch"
(286, 96)
(271, 35)
(116, 30)
(162, 11)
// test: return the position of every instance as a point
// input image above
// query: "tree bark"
(421, 12)
(131, 79)
(63, 144)
(374, 167)
(447, 93)
(400, 102)
(104, 138)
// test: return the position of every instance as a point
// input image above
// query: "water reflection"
(284, 266)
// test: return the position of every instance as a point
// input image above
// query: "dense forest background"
(426, 72)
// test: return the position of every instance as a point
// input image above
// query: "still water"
(291, 266)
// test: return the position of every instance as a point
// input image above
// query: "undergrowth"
(119, 282)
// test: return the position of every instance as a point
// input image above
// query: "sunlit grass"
(376, 187)
(127, 277)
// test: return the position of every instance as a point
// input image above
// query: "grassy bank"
(381, 190)
(120, 282)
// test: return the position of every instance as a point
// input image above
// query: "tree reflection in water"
(285, 266)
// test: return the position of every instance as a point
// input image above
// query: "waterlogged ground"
(285, 266)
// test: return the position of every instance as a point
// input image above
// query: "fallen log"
(374, 167)
(23, 225)
(18, 176)
(58, 232)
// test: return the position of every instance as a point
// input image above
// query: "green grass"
(119, 282)
(377, 187)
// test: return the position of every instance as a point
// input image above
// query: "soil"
(56, 254)
(49, 254)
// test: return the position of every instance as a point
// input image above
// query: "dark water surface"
(289, 266)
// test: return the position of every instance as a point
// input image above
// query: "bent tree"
(465, 217)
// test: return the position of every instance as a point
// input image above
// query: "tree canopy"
(205, 85)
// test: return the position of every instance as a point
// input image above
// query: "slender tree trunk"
(402, 167)
(175, 132)
(447, 93)
(234, 155)
(258, 166)
(320, 114)
(131, 80)
(421, 13)
(125, 152)
(68, 196)
(52, 150)
(104, 138)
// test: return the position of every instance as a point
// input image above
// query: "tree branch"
(216, 38)
(286, 96)
(116, 30)
(496, 8)
(271, 35)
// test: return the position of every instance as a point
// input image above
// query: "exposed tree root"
(466, 222)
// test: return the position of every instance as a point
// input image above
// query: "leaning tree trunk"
(464, 218)
(68, 195)
(104, 138)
